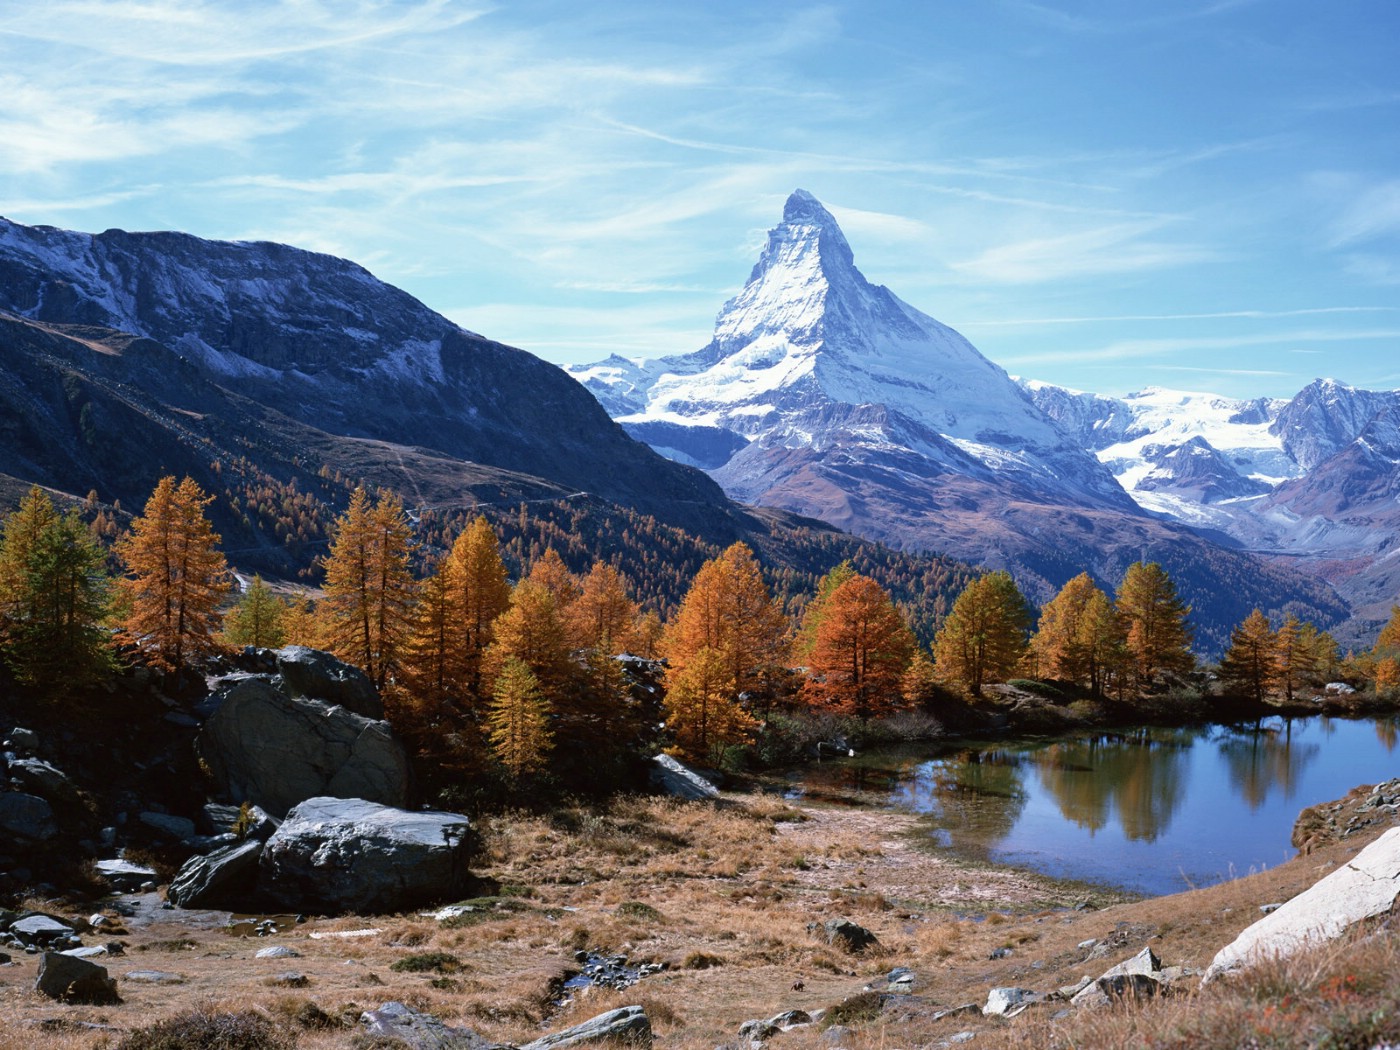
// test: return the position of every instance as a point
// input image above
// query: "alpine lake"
(1150, 811)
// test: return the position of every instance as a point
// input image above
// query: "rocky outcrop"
(678, 780)
(226, 878)
(626, 1024)
(335, 855)
(274, 750)
(311, 674)
(1365, 887)
(419, 1031)
(848, 936)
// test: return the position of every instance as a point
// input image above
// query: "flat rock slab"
(152, 977)
(627, 1024)
(1364, 888)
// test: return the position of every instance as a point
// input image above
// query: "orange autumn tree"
(1154, 619)
(1249, 666)
(728, 641)
(518, 720)
(176, 575)
(1078, 638)
(366, 612)
(480, 592)
(860, 651)
(603, 617)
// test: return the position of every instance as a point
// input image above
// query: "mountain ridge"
(826, 395)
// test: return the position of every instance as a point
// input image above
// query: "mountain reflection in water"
(1152, 810)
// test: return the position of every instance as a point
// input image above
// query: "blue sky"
(1107, 194)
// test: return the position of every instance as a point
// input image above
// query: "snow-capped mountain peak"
(809, 355)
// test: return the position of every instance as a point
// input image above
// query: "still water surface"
(1155, 811)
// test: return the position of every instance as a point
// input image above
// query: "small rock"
(1267, 908)
(757, 1031)
(1086, 945)
(179, 828)
(848, 936)
(90, 952)
(152, 977)
(289, 979)
(279, 951)
(628, 1024)
(958, 1011)
(420, 1031)
(836, 1035)
(1002, 1002)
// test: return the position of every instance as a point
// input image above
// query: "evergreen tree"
(860, 651)
(518, 722)
(55, 596)
(984, 637)
(1154, 621)
(176, 575)
(530, 631)
(369, 589)
(1388, 641)
(1249, 665)
(257, 619)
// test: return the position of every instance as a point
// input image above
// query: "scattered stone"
(1108, 990)
(289, 979)
(628, 1024)
(1000, 953)
(836, 1035)
(152, 977)
(92, 951)
(1007, 1002)
(73, 980)
(43, 779)
(1268, 908)
(1069, 991)
(278, 951)
(453, 911)
(221, 879)
(848, 936)
(1144, 962)
(962, 1037)
(40, 930)
(20, 739)
(790, 1019)
(1086, 945)
(1365, 887)
(334, 854)
(420, 1031)
(758, 1031)
(679, 780)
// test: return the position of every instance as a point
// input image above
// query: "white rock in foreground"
(1365, 887)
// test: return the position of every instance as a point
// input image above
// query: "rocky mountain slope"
(1313, 478)
(826, 395)
(311, 339)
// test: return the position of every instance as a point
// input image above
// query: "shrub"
(428, 962)
(206, 1030)
(638, 910)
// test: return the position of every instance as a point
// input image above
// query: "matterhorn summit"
(814, 369)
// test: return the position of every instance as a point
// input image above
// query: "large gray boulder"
(314, 675)
(1363, 888)
(627, 1024)
(74, 980)
(226, 878)
(26, 818)
(273, 750)
(350, 855)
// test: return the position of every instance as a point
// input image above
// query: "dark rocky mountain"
(825, 395)
(321, 342)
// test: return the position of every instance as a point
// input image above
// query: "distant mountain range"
(826, 395)
(280, 378)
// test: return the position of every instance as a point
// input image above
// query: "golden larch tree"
(815, 612)
(369, 587)
(603, 617)
(728, 611)
(518, 722)
(703, 716)
(176, 575)
(480, 592)
(1158, 636)
(1249, 665)
(530, 631)
(257, 618)
(984, 637)
(860, 651)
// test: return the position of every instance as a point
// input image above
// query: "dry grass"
(723, 895)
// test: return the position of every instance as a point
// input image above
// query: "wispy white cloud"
(1133, 349)
(1218, 315)
(1117, 248)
